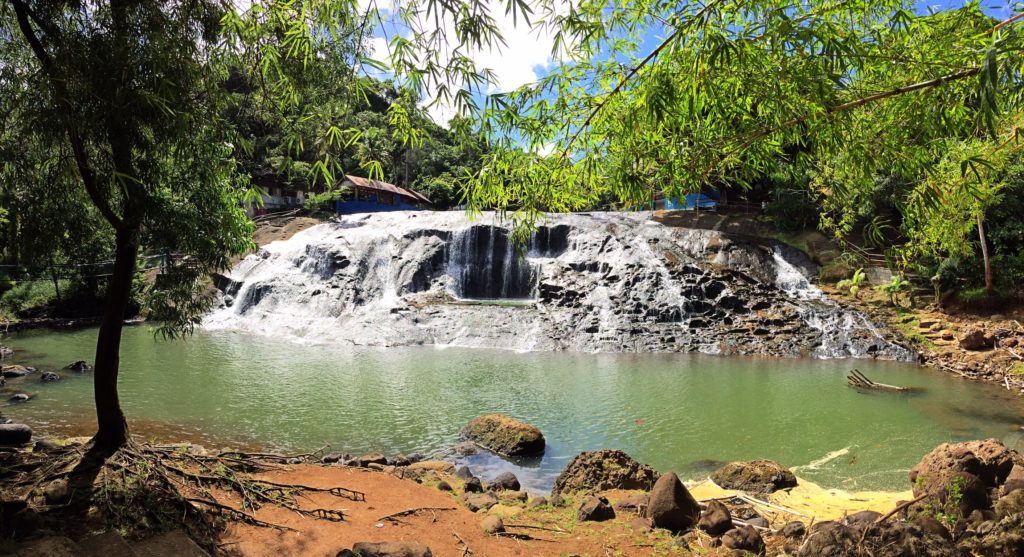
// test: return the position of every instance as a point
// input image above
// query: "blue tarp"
(363, 206)
(692, 201)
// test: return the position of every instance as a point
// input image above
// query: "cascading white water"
(485, 265)
(595, 282)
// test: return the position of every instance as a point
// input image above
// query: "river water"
(680, 412)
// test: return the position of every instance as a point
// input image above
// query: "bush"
(25, 295)
(793, 211)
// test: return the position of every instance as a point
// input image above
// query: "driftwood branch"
(394, 516)
(899, 508)
(861, 381)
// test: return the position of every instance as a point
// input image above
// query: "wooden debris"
(860, 381)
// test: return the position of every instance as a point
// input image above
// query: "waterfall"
(594, 282)
(485, 265)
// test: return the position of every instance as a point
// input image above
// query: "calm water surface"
(677, 412)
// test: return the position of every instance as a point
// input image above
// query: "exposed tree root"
(393, 517)
(144, 487)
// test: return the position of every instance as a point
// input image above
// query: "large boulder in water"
(15, 434)
(990, 460)
(755, 476)
(603, 470)
(505, 436)
(671, 506)
(15, 370)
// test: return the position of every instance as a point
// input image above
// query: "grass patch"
(909, 326)
(25, 295)
(1017, 369)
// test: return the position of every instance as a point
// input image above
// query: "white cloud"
(526, 52)
(379, 49)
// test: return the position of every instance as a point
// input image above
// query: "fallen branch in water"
(859, 380)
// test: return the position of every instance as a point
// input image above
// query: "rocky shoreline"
(966, 499)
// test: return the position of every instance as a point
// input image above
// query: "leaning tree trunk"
(112, 433)
(990, 289)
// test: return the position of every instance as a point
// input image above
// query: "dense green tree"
(115, 100)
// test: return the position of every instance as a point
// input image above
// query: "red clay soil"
(440, 529)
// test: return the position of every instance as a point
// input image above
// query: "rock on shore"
(603, 470)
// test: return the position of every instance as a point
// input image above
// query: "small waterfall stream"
(485, 265)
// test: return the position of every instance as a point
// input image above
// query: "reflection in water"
(677, 412)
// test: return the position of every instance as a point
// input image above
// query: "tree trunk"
(56, 282)
(990, 289)
(112, 433)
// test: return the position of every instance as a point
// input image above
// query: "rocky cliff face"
(590, 282)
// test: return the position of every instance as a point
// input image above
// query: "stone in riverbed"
(20, 397)
(438, 466)
(744, 538)
(80, 366)
(464, 473)
(715, 520)
(14, 371)
(49, 377)
(755, 476)
(372, 458)
(794, 530)
(1014, 480)
(492, 525)
(506, 481)
(15, 434)
(479, 501)
(505, 436)
(387, 549)
(473, 485)
(595, 509)
(829, 539)
(862, 518)
(671, 506)
(975, 339)
(636, 503)
(5, 352)
(604, 470)
(537, 502)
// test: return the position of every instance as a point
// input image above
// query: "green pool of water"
(677, 412)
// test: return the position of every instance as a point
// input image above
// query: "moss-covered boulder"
(604, 470)
(755, 476)
(505, 436)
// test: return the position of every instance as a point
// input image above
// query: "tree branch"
(636, 69)
(22, 14)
